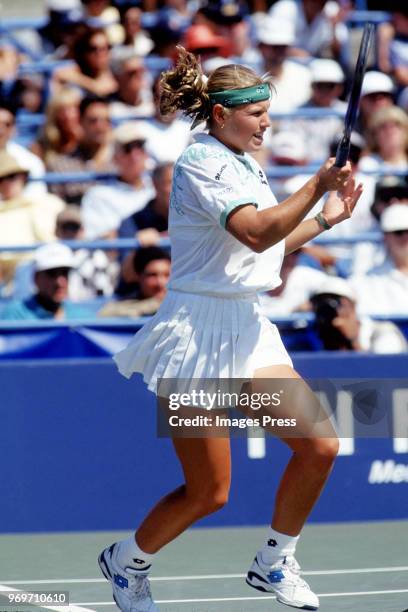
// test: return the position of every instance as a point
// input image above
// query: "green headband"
(246, 95)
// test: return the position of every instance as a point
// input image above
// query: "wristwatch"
(322, 221)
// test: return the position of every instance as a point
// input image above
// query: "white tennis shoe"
(283, 579)
(130, 587)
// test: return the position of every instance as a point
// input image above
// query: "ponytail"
(185, 88)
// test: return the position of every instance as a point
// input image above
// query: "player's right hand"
(332, 178)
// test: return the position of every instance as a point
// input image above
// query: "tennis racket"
(343, 149)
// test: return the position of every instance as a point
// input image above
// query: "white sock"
(129, 554)
(277, 545)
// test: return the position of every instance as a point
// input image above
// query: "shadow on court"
(352, 567)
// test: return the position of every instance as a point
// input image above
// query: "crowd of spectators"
(94, 110)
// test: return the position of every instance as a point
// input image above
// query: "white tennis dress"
(209, 325)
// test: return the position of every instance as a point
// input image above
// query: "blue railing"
(271, 172)
(123, 244)
(30, 122)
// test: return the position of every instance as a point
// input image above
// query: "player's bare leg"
(206, 464)
(307, 470)
(275, 568)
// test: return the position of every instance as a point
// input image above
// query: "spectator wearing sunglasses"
(104, 207)
(52, 265)
(93, 153)
(387, 136)
(384, 289)
(133, 98)
(327, 86)
(91, 70)
(377, 92)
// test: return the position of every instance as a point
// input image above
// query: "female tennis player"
(228, 237)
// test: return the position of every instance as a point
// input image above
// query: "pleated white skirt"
(203, 337)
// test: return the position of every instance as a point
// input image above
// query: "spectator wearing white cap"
(104, 207)
(291, 80)
(327, 86)
(388, 141)
(340, 327)
(384, 290)
(376, 93)
(318, 25)
(52, 265)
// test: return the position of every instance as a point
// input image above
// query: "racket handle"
(342, 152)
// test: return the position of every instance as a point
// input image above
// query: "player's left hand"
(340, 204)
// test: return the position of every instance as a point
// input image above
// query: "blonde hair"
(51, 138)
(186, 88)
(383, 115)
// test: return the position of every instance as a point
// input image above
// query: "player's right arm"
(259, 230)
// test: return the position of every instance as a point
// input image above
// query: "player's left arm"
(338, 207)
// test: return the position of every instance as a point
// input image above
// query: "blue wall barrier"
(80, 452)
(95, 337)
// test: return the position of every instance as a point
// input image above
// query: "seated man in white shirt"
(104, 207)
(384, 289)
(327, 86)
(291, 80)
(341, 328)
